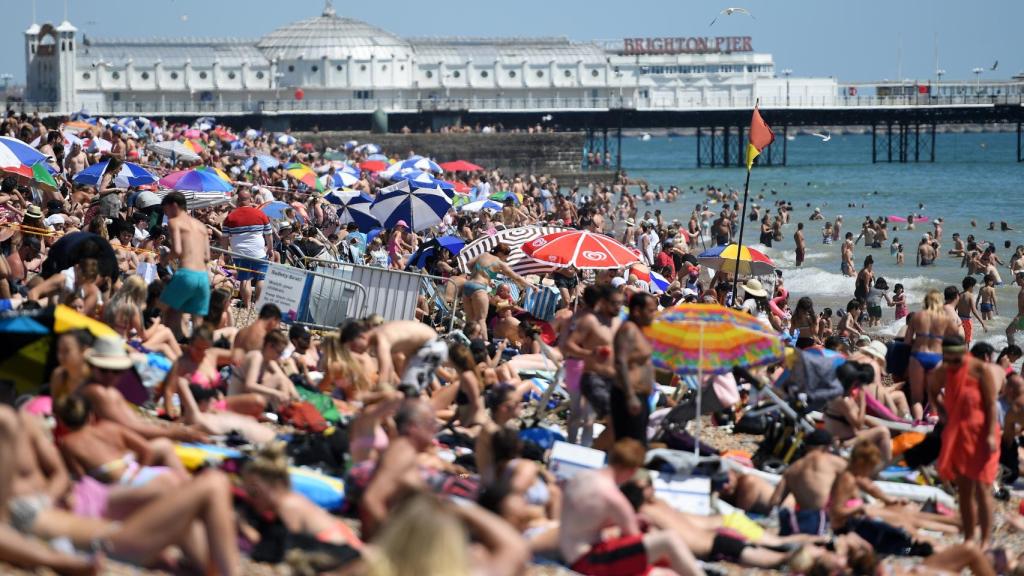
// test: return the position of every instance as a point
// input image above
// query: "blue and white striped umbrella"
(425, 179)
(395, 172)
(129, 175)
(479, 205)
(419, 206)
(338, 180)
(424, 164)
(368, 148)
(350, 169)
(265, 161)
(379, 157)
(350, 145)
(354, 206)
(286, 140)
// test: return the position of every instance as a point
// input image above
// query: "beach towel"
(541, 302)
(322, 402)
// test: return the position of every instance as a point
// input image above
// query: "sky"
(853, 40)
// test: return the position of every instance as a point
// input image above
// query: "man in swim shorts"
(966, 305)
(809, 480)
(189, 288)
(416, 343)
(1017, 324)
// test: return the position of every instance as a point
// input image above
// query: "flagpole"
(739, 241)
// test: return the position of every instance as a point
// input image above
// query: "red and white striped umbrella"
(580, 248)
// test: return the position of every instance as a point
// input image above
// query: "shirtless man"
(1017, 324)
(634, 372)
(593, 502)
(958, 246)
(108, 361)
(412, 345)
(925, 253)
(252, 336)
(189, 288)
(801, 244)
(591, 342)
(809, 480)
(846, 266)
(966, 306)
(76, 161)
(721, 229)
(747, 492)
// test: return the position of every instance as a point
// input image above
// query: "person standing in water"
(801, 244)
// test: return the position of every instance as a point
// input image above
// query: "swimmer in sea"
(987, 299)
(925, 252)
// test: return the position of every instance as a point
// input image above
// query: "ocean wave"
(811, 281)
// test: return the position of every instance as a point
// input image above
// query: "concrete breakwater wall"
(556, 154)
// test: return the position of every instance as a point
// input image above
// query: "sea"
(974, 180)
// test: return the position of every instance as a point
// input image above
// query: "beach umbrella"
(710, 339)
(426, 180)
(94, 145)
(265, 162)
(723, 258)
(656, 283)
(419, 206)
(129, 175)
(460, 166)
(379, 157)
(581, 249)
(339, 179)
(27, 355)
(286, 140)
(197, 200)
(503, 195)
(353, 206)
(174, 150)
(304, 174)
(349, 169)
(196, 181)
(204, 122)
(14, 152)
(514, 238)
(214, 170)
(77, 126)
(424, 164)
(373, 165)
(278, 210)
(480, 205)
(418, 259)
(72, 247)
(367, 149)
(35, 175)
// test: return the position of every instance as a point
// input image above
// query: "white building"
(335, 64)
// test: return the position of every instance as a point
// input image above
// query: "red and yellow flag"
(761, 136)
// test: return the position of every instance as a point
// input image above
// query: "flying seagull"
(995, 65)
(730, 12)
(824, 137)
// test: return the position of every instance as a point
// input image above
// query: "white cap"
(54, 219)
(618, 281)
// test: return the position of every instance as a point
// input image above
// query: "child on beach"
(899, 256)
(849, 327)
(899, 300)
(874, 298)
(826, 233)
(987, 298)
(825, 324)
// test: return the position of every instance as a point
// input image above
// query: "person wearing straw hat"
(755, 301)
(874, 353)
(109, 361)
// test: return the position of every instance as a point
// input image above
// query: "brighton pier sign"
(687, 45)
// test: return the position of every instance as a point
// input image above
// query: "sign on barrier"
(288, 288)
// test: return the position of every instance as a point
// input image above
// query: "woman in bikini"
(924, 333)
(845, 415)
(124, 313)
(483, 270)
(195, 379)
(72, 371)
(806, 321)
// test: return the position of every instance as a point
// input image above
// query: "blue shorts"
(251, 269)
(813, 522)
(188, 291)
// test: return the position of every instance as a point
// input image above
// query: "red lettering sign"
(687, 45)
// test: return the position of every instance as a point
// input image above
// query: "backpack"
(303, 416)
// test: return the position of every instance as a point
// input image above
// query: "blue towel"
(542, 302)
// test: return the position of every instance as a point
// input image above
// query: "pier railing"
(510, 104)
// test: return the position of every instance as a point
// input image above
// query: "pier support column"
(1020, 158)
(741, 152)
(725, 145)
(888, 142)
(785, 143)
(874, 144)
(917, 143)
(700, 134)
(932, 151)
(618, 144)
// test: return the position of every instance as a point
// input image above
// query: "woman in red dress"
(970, 440)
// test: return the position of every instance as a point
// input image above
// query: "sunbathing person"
(72, 371)
(747, 492)
(37, 480)
(845, 415)
(199, 368)
(412, 347)
(124, 313)
(809, 480)
(260, 373)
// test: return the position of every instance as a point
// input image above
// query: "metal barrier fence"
(331, 291)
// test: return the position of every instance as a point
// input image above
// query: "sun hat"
(630, 222)
(33, 211)
(752, 287)
(875, 349)
(108, 353)
(401, 223)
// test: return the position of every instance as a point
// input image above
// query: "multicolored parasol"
(723, 258)
(304, 174)
(710, 339)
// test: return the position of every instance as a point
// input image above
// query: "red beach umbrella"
(580, 248)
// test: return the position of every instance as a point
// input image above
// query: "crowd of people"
(440, 427)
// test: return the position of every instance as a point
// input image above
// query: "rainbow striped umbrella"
(304, 174)
(723, 258)
(710, 339)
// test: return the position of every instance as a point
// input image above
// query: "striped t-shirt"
(245, 227)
